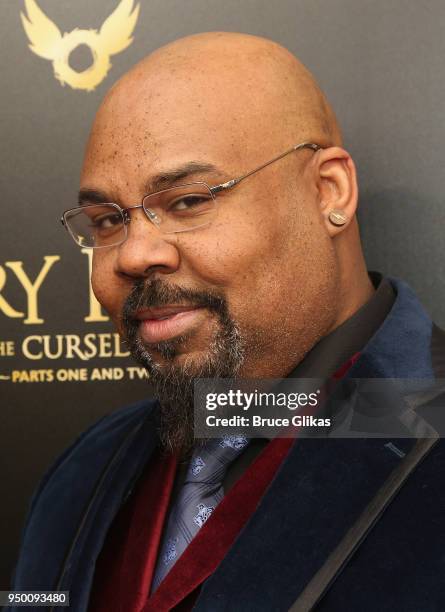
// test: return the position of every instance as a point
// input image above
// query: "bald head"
(245, 85)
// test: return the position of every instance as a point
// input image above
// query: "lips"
(167, 322)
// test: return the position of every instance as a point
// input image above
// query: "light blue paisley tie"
(200, 494)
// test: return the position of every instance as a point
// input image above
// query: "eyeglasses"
(172, 210)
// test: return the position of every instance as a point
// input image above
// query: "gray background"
(380, 62)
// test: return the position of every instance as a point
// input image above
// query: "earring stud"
(337, 217)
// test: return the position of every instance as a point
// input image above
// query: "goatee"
(173, 383)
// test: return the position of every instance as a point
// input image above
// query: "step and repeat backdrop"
(62, 366)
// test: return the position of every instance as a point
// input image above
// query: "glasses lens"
(96, 226)
(180, 209)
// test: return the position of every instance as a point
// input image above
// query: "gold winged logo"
(47, 41)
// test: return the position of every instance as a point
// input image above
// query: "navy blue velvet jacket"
(345, 525)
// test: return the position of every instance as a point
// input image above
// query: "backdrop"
(382, 66)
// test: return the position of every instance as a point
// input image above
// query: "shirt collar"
(333, 350)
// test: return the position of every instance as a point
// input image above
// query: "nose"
(146, 249)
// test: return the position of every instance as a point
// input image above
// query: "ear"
(337, 187)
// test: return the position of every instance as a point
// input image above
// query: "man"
(258, 277)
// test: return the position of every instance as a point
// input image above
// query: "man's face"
(249, 294)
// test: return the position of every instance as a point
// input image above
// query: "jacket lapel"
(113, 485)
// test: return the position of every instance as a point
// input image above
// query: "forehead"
(170, 118)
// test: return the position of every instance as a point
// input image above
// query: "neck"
(355, 286)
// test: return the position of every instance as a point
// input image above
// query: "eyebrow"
(162, 180)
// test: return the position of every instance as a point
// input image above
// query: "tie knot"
(215, 456)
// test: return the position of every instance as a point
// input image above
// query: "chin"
(194, 364)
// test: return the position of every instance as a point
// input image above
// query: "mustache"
(157, 293)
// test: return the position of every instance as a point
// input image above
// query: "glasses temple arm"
(235, 181)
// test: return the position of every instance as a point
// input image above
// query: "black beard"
(174, 384)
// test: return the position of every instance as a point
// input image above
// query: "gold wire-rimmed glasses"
(181, 208)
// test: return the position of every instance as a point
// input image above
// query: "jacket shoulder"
(106, 431)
